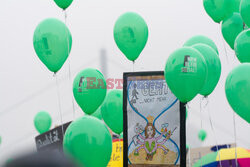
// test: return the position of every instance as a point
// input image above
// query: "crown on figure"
(150, 119)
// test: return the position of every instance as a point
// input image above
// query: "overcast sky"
(26, 85)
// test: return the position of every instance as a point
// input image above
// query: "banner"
(52, 140)
(153, 122)
(116, 159)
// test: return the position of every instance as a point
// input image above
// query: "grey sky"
(27, 86)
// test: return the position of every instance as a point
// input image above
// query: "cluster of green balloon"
(219, 10)
(52, 42)
(131, 34)
(242, 45)
(245, 10)
(64, 4)
(42, 121)
(89, 89)
(185, 73)
(237, 90)
(88, 141)
(209, 51)
(231, 28)
(193, 69)
(202, 135)
(112, 111)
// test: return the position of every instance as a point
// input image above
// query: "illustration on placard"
(153, 123)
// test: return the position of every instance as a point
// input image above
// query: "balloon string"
(235, 139)
(59, 102)
(223, 42)
(212, 127)
(201, 124)
(201, 111)
(233, 112)
(72, 98)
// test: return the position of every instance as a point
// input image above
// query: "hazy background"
(27, 86)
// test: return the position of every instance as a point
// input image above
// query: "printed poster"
(153, 121)
(116, 159)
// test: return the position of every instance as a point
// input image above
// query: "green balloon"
(98, 114)
(201, 39)
(42, 122)
(88, 141)
(213, 68)
(231, 27)
(202, 135)
(0, 140)
(52, 42)
(131, 34)
(242, 45)
(64, 4)
(238, 90)
(121, 136)
(245, 11)
(9, 161)
(89, 90)
(218, 10)
(185, 73)
(112, 111)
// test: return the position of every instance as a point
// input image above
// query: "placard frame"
(125, 121)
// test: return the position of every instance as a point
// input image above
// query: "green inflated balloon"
(238, 90)
(218, 10)
(64, 4)
(231, 27)
(185, 73)
(89, 89)
(42, 122)
(131, 34)
(242, 45)
(245, 11)
(88, 141)
(112, 111)
(213, 68)
(97, 113)
(52, 42)
(201, 39)
(202, 135)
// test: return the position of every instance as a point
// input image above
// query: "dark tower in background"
(103, 62)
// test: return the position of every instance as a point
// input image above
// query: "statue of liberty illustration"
(150, 142)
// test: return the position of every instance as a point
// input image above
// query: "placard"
(116, 159)
(154, 121)
(52, 140)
